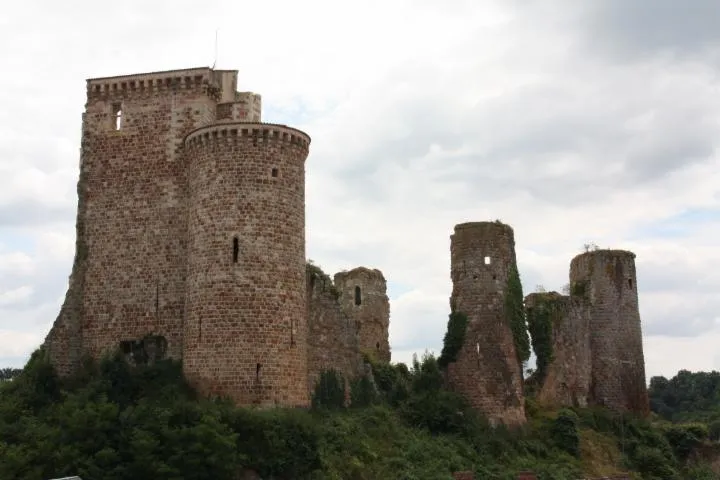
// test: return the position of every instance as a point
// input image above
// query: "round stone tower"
(245, 332)
(363, 296)
(487, 371)
(607, 281)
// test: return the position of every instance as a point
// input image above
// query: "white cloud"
(557, 117)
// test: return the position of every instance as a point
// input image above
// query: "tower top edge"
(183, 71)
(607, 253)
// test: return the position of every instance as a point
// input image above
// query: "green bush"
(329, 391)
(362, 392)
(565, 432)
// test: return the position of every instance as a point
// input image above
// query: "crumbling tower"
(363, 297)
(607, 281)
(487, 371)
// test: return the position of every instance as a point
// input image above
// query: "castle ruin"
(588, 343)
(594, 353)
(191, 240)
(190, 244)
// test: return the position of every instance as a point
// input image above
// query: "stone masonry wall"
(607, 281)
(566, 380)
(487, 372)
(246, 318)
(128, 278)
(363, 296)
(333, 336)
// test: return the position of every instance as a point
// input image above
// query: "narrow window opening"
(477, 348)
(630, 283)
(494, 277)
(199, 329)
(292, 332)
(487, 260)
(257, 372)
(236, 249)
(377, 346)
(157, 299)
(117, 113)
(358, 296)
(274, 172)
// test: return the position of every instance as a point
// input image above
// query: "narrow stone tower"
(363, 296)
(487, 371)
(607, 281)
(246, 323)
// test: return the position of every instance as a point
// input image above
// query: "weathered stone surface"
(363, 297)
(487, 371)
(193, 231)
(566, 380)
(246, 324)
(191, 244)
(608, 282)
(333, 341)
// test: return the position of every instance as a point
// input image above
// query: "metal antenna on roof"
(216, 48)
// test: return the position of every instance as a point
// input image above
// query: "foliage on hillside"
(117, 422)
(687, 397)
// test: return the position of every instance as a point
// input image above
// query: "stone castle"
(191, 245)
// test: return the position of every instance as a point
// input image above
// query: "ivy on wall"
(454, 338)
(540, 320)
(515, 315)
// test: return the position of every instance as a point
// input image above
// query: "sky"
(574, 122)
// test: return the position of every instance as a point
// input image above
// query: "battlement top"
(218, 82)
(264, 132)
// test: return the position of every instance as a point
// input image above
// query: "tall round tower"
(487, 371)
(245, 325)
(607, 281)
(363, 296)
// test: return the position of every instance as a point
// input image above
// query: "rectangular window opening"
(236, 249)
(274, 172)
(487, 260)
(117, 115)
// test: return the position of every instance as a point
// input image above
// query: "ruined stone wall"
(246, 323)
(333, 336)
(363, 296)
(607, 281)
(128, 277)
(487, 371)
(565, 380)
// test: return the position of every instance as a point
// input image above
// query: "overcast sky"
(574, 122)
